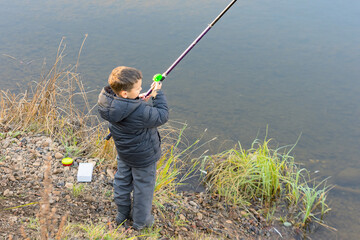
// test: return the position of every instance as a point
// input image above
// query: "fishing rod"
(161, 77)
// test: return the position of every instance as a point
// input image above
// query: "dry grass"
(48, 106)
(52, 106)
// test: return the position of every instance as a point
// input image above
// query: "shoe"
(148, 224)
(121, 219)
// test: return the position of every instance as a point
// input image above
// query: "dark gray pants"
(142, 182)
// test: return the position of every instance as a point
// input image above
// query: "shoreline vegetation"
(259, 193)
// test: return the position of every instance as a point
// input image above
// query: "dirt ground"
(22, 161)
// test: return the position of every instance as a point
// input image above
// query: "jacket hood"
(113, 108)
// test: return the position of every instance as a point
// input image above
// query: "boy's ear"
(123, 94)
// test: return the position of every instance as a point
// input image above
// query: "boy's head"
(125, 82)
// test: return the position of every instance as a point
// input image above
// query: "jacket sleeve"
(158, 114)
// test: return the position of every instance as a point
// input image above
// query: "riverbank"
(89, 208)
(258, 193)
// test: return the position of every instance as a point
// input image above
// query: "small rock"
(193, 203)
(229, 221)
(7, 193)
(37, 164)
(60, 184)
(12, 178)
(199, 216)
(58, 155)
(89, 198)
(56, 192)
(110, 173)
(182, 217)
(58, 170)
(93, 163)
(69, 185)
(287, 224)
(243, 213)
(6, 144)
(45, 143)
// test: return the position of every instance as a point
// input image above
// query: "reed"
(176, 164)
(48, 107)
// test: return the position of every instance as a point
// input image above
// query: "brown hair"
(123, 78)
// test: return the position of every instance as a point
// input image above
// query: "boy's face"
(134, 92)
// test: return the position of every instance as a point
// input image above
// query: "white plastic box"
(85, 172)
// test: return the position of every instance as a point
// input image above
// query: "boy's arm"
(158, 114)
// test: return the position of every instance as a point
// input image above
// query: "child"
(133, 125)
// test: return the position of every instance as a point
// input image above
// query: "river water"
(290, 65)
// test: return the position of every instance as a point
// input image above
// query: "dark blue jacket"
(133, 125)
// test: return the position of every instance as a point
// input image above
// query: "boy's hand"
(155, 86)
(142, 96)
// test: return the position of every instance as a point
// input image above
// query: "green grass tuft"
(266, 176)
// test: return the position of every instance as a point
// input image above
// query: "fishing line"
(161, 77)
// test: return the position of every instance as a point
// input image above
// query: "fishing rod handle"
(157, 78)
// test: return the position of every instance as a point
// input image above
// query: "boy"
(133, 125)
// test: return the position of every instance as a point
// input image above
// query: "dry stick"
(58, 51)
(74, 75)
(61, 226)
(52, 222)
(23, 234)
(45, 202)
(77, 62)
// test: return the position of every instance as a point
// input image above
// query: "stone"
(6, 144)
(7, 193)
(13, 218)
(12, 178)
(46, 143)
(69, 185)
(193, 203)
(287, 224)
(59, 155)
(37, 164)
(182, 217)
(110, 173)
(199, 216)
(243, 213)
(58, 170)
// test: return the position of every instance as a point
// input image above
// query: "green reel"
(158, 77)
